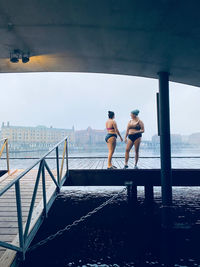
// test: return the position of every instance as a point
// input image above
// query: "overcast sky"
(66, 99)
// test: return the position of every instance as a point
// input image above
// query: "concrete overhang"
(131, 37)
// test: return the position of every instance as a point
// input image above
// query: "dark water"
(121, 234)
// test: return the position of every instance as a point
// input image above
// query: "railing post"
(7, 156)
(44, 190)
(63, 158)
(67, 163)
(19, 217)
(57, 165)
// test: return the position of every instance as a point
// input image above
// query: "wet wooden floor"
(8, 210)
(144, 163)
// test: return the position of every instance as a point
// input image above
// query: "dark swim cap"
(135, 112)
(111, 114)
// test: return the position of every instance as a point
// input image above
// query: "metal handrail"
(30, 168)
(5, 145)
(25, 235)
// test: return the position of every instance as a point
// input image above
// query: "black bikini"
(135, 136)
(109, 135)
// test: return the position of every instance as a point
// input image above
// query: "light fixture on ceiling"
(14, 56)
(25, 57)
(18, 54)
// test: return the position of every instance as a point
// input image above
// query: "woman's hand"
(125, 140)
(121, 139)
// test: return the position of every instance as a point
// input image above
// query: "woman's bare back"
(110, 126)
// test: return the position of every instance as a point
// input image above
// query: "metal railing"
(5, 146)
(25, 234)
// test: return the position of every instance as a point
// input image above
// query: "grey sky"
(82, 100)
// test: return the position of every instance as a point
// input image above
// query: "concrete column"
(149, 194)
(165, 144)
(132, 192)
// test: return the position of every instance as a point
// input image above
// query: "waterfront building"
(40, 136)
(90, 136)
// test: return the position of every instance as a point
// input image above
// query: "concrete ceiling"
(133, 37)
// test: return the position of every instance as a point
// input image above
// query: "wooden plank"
(1, 254)
(7, 238)
(9, 219)
(8, 230)
(105, 165)
(8, 224)
(11, 173)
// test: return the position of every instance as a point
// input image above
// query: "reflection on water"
(121, 234)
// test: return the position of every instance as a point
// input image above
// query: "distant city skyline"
(43, 133)
(24, 138)
(63, 100)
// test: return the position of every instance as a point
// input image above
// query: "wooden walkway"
(144, 163)
(8, 211)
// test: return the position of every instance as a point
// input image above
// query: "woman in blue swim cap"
(134, 132)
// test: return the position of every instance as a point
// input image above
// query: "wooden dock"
(144, 163)
(8, 210)
(82, 171)
(93, 171)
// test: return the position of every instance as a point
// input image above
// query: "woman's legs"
(128, 148)
(111, 148)
(137, 146)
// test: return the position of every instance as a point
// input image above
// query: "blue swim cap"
(135, 112)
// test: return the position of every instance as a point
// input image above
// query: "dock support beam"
(131, 192)
(148, 192)
(165, 148)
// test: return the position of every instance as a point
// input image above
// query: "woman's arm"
(127, 130)
(142, 127)
(116, 130)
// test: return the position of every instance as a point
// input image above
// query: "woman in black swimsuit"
(111, 137)
(134, 132)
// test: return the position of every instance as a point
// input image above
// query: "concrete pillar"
(165, 146)
(149, 194)
(131, 192)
